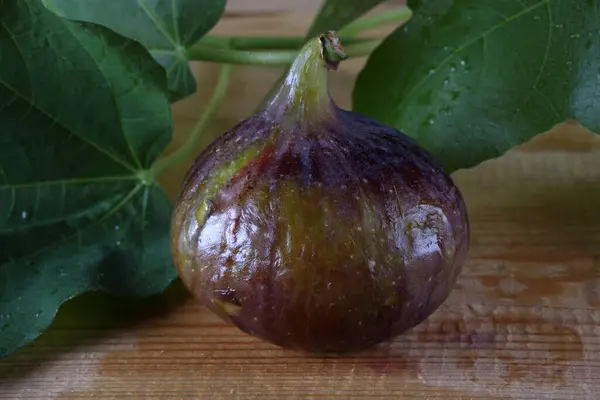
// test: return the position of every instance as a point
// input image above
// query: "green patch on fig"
(219, 177)
(340, 233)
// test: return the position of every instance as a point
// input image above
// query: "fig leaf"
(167, 28)
(335, 14)
(469, 79)
(83, 115)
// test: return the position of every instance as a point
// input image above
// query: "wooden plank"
(522, 323)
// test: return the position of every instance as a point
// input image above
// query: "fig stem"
(305, 91)
(189, 147)
(226, 50)
(275, 58)
(332, 51)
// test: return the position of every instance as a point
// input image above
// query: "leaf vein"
(74, 181)
(100, 221)
(163, 51)
(491, 10)
(522, 3)
(156, 21)
(9, 102)
(543, 96)
(53, 119)
(466, 45)
(144, 210)
(109, 85)
(30, 75)
(59, 123)
(174, 16)
(541, 69)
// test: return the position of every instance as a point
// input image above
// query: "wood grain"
(522, 323)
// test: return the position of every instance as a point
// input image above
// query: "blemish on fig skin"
(226, 300)
(231, 309)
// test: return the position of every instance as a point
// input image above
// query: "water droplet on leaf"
(429, 120)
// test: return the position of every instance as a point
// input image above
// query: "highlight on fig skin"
(317, 228)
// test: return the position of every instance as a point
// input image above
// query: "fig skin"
(317, 228)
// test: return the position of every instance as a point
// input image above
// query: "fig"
(317, 228)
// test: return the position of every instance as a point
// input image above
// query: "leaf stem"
(275, 58)
(400, 14)
(211, 109)
(236, 50)
(264, 42)
(346, 34)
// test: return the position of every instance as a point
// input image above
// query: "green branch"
(276, 58)
(264, 42)
(347, 34)
(236, 50)
(397, 15)
(188, 148)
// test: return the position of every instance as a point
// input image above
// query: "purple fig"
(317, 228)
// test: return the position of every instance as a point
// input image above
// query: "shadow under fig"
(84, 321)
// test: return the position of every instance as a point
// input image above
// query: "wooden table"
(522, 323)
